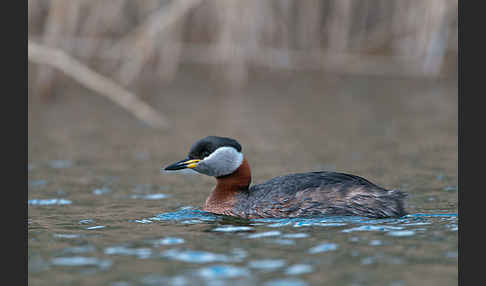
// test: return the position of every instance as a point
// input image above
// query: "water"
(99, 213)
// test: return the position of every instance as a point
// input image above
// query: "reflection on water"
(222, 271)
(100, 213)
(240, 263)
(48, 202)
(81, 261)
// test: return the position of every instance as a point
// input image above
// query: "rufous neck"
(238, 180)
(223, 197)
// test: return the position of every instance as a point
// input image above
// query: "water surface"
(100, 213)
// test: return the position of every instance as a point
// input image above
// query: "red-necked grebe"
(294, 195)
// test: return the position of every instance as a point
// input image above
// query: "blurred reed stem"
(122, 38)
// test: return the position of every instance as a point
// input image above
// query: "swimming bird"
(295, 195)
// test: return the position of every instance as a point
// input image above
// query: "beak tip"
(165, 169)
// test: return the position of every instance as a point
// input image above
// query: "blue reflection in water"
(150, 196)
(185, 214)
(373, 228)
(60, 164)
(266, 264)
(222, 271)
(431, 215)
(141, 253)
(323, 248)
(283, 241)
(49, 202)
(295, 235)
(264, 234)
(37, 183)
(195, 256)
(298, 269)
(79, 249)
(95, 227)
(375, 242)
(167, 241)
(102, 191)
(81, 261)
(392, 226)
(401, 233)
(231, 228)
(285, 282)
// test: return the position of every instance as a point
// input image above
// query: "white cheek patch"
(223, 161)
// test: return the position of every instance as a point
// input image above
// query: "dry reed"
(122, 38)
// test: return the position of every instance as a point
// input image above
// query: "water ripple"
(264, 234)
(267, 264)
(283, 241)
(194, 256)
(285, 282)
(373, 228)
(167, 241)
(79, 249)
(149, 196)
(81, 261)
(60, 164)
(375, 242)
(66, 235)
(298, 269)
(401, 233)
(231, 228)
(49, 202)
(101, 191)
(223, 271)
(295, 235)
(95, 227)
(185, 214)
(325, 247)
(141, 253)
(189, 215)
(37, 183)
